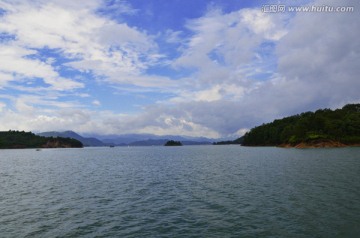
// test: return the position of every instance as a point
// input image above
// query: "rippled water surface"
(189, 191)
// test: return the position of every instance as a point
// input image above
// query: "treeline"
(173, 143)
(21, 139)
(341, 125)
(238, 141)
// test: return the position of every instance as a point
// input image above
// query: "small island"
(173, 143)
(21, 140)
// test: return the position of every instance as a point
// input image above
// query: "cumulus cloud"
(316, 66)
(224, 46)
(83, 41)
(13, 61)
(92, 43)
(327, 62)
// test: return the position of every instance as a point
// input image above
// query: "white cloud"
(317, 68)
(2, 106)
(94, 44)
(14, 61)
(222, 48)
(209, 95)
(96, 103)
(26, 117)
(5, 78)
(233, 37)
(263, 24)
(326, 63)
(172, 36)
(215, 93)
(117, 8)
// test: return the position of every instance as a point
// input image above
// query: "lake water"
(189, 191)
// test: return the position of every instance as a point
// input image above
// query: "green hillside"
(21, 139)
(338, 127)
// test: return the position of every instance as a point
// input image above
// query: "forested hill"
(21, 139)
(323, 128)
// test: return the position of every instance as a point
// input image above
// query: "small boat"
(112, 146)
(38, 149)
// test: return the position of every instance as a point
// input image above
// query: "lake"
(188, 191)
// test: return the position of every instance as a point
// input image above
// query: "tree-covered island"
(20, 140)
(323, 128)
(173, 143)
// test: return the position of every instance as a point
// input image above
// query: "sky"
(172, 67)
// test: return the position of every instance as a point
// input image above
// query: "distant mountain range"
(134, 138)
(70, 134)
(128, 139)
(322, 128)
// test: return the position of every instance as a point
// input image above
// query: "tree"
(20, 139)
(173, 143)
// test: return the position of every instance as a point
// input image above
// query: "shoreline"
(318, 144)
(311, 145)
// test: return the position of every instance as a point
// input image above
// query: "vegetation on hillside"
(340, 126)
(20, 139)
(238, 141)
(173, 143)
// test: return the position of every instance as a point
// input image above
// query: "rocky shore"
(317, 144)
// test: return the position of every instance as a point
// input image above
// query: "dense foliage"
(238, 141)
(173, 143)
(21, 139)
(342, 125)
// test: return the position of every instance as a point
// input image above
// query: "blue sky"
(180, 67)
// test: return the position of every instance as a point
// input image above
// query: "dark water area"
(189, 191)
